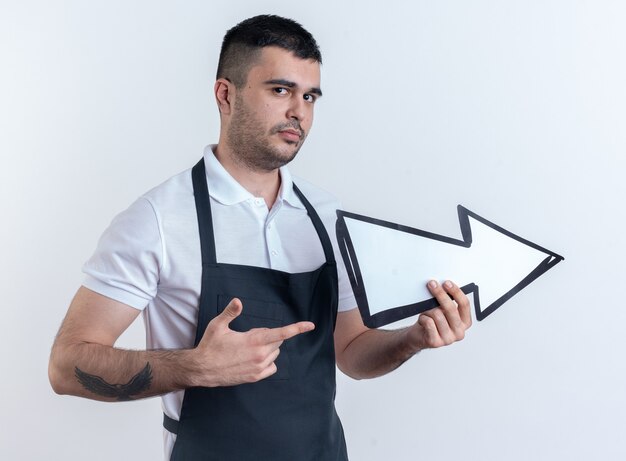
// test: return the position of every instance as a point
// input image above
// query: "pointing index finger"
(274, 335)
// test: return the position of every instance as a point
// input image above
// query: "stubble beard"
(251, 145)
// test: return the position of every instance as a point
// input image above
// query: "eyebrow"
(290, 84)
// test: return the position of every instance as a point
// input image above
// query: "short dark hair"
(243, 43)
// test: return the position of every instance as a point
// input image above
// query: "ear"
(224, 95)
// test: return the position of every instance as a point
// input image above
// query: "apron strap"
(319, 226)
(170, 424)
(207, 241)
(203, 210)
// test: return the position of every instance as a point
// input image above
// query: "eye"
(280, 90)
(308, 97)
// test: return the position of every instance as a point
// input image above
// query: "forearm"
(105, 373)
(376, 352)
(365, 353)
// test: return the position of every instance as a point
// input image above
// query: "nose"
(297, 109)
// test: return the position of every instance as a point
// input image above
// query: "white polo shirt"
(149, 257)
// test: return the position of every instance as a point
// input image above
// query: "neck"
(263, 184)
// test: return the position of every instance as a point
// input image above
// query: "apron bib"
(290, 415)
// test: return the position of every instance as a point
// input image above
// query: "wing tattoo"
(137, 384)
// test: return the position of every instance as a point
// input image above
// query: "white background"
(515, 109)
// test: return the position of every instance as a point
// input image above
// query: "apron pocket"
(260, 314)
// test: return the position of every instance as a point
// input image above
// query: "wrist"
(410, 342)
(178, 368)
(190, 368)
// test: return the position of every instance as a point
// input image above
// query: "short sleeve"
(128, 258)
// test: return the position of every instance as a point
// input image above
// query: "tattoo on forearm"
(137, 384)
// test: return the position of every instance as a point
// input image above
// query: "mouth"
(290, 135)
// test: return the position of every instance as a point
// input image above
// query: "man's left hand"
(444, 324)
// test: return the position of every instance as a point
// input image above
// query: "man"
(233, 266)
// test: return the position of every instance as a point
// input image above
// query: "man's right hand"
(225, 357)
(84, 346)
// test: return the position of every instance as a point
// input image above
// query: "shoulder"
(316, 195)
(153, 214)
(171, 191)
(325, 203)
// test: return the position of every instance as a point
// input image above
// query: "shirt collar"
(286, 192)
(226, 190)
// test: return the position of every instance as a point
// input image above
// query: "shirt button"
(269, 226)
(258, 201)
(274, 253)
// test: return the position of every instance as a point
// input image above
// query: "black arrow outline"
(398, 313)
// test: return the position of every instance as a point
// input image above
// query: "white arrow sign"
(389, 264)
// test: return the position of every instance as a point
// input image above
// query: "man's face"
(273, 112)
